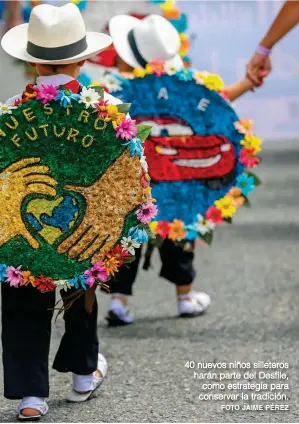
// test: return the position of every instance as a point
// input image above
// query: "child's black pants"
(26, 333)
(177, 268)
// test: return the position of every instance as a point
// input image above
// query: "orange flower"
(176, 230)
(148, 194)
(27, 279)
(236, 194)
(172, 13)
(244, 126)
(111, 263)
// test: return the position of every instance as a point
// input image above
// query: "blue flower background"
(184, 199)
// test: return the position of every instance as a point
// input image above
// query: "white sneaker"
(34, 403)
(193, 304)
(119, 314)
(85, 385)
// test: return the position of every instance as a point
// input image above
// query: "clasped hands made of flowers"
(94, 230)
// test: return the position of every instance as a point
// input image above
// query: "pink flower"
(47, 93)
(97, 272)
(126, 129)
(214, 214)
(248, 158)
(145, 179)
(13, 276)
(147, 212)
(158, 68)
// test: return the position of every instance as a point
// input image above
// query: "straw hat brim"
(14, 42)
(119, 28)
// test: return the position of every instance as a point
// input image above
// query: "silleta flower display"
(198, 151)
(75, 200)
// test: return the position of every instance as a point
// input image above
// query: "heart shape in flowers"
(196, 152)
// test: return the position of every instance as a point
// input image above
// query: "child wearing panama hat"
(139, 43)
(56, 43)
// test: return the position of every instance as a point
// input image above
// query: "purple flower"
(13, 276)
(126, 129)
(47, 93)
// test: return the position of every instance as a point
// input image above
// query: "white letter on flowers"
(203, 104)
(163, 94)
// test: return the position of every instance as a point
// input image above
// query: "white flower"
(204, 226)
(6, 109)
(144, 163)
(170, 69)
(112, 84)
(129, 244)
(63, 284)
(89, 97)
(199, 77)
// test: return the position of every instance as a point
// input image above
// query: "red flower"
(214, 214)
(29, 93)
(44, 284)
(248, 157)
(163, 229)
(119, 254)
(102, 108)
(17, 102)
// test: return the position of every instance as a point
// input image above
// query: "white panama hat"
(54, 35)
(138, 42)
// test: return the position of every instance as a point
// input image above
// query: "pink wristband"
(263, 50)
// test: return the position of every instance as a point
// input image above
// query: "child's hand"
(104, 218)
(258, 68)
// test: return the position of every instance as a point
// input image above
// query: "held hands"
(258, 68)
(108, 201)
(16, 182)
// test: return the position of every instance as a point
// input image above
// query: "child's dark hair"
(54, 68)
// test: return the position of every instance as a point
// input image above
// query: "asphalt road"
(251, 273)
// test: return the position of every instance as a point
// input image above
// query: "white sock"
(185, 296)
(117, 304)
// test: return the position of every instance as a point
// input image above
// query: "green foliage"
(143, 131)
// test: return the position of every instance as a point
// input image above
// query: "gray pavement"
(251, 273)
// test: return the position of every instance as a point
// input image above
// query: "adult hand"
(258, 68)
(108, 201)
(16, 182)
